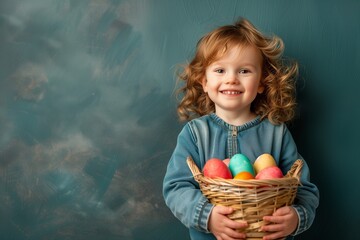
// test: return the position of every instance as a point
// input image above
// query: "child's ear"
(261, 89)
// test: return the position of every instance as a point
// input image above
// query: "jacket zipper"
(234, 131)
(233, 142)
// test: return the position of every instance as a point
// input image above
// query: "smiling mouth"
(231, 92)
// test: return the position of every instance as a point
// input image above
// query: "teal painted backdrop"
(87, 111)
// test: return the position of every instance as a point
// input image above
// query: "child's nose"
(232, 78)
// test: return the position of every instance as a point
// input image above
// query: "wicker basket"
(251, 199)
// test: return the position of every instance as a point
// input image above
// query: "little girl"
(238, 95)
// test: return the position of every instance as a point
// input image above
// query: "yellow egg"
(264, 161)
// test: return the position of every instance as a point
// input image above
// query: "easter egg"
(240, 163)
(264, 161)
(269, 173)
(216, 168)
(244, 176)
(226, 161)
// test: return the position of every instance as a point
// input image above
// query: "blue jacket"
(210, 137)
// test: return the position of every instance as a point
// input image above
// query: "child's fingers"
(282, 211)
(279, 216)
(273, 219)
(272, 228)
(223, 210)
(283, 222)
(230, 223)
(275, 230)
(236, 225)
(271, 236)
(233, 234)
(224, 227)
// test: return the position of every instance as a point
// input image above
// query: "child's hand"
(224, 228)
(284, 221)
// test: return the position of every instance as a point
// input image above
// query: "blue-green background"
(88, 121)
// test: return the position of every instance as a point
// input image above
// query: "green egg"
(240, 163)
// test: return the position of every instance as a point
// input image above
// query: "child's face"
(233, 81)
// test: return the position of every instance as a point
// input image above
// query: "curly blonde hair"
(277, 102)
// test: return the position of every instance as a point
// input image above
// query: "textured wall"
(87, 111)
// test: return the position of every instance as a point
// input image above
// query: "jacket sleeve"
(181, 192)
(307, 197)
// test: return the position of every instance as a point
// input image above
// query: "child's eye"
(219, 70)
(244, 71)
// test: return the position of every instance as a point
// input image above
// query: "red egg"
(226, 161)
(269, 173)
(216, 168)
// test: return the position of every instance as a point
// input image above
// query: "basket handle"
(193, 168)
(295, 170)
